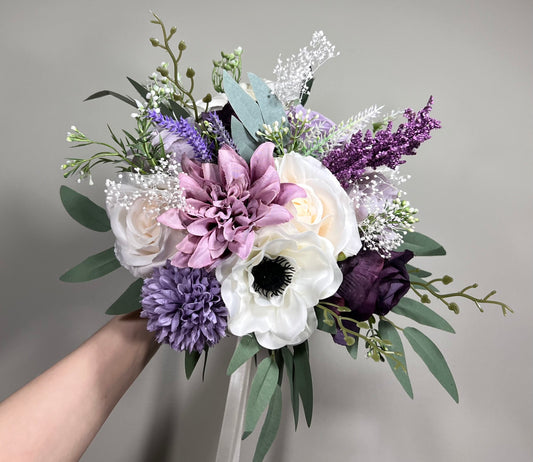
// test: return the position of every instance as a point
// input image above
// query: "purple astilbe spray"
(385, 148)
(184, 307)
(183, 128)
(218, 130)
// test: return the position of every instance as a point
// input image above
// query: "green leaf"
(303, 381)
(84, 210)
(178, 110)
(246, 348)
(129, 301)
(271, 108)
(191, 360)
(422, 314)
(421, 245)
(322, 325)
(244, 143)
(141, 89)
(102, 93)
(388, 332)
(261, 390)
(433, 359)
(413, 270)
(352, 349)
(244, 106)
(295, 400)
(270, 426)
(307, 89)
(93, 267)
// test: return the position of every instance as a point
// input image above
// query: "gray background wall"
(471, 182)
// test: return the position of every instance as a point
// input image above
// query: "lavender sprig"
(183, 128)
(385, 148)
(217, 129)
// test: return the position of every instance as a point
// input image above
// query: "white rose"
(273, 292)
(327, 210)
(141, 242)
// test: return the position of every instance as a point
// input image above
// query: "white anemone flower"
(274, 291)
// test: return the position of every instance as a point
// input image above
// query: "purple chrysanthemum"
(384, 148)
(184, 307)
(184, 129)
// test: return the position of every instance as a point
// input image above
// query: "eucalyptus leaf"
(352, 349)
(303, 381)
(102, 93)
(261, 390)
(421, 245)
(322, 325)
(129, 301)
(422, 314)
(84, 210)
(433, 358)
(191, 360)
(388, 332)
(93, 267)
(141, 89)
(295, 400)
(246, 348)
(244, 106)
(413, 270)
(178, 110)
(270, 426)
(272, 109)
(244, 143)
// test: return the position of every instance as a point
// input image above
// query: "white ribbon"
(229, 443)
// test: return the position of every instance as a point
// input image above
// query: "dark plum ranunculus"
(373, 284)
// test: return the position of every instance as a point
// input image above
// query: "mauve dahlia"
(226, 203)
(184, 307)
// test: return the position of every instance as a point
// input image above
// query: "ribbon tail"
(229, 443)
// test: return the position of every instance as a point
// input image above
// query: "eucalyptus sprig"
(378, 348)
(184, 95)
(429, 286)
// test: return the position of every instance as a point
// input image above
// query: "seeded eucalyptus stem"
(175, 60)
(462, 293)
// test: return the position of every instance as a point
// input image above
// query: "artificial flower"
(373, 284)
(226, 203)
(326, 209)
(141, 243)
(273, 292)
(183, 306)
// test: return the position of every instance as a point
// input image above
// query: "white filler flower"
(273, 292)
(327, 210)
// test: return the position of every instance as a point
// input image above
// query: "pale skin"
(56, 416)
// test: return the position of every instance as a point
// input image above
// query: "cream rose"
(273, 292)
(327, 210)
(141, 242)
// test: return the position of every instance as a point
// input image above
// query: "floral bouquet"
(245, 214)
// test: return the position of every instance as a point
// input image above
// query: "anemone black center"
(272, 276)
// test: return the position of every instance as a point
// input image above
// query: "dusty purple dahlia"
(184, 307)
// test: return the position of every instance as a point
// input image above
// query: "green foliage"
(231, 63)
(303, 381)
(270, 426)
(129, 301)
(288, 360)
(243, 141)
(271, 108)
(246, 348)
(84, 210)
(93, 267)
(388, 332)
(352, 349)
(421, 245)
(433, 358)
(102, 93)
(421, 314)
(261, 391)
(191, 360)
